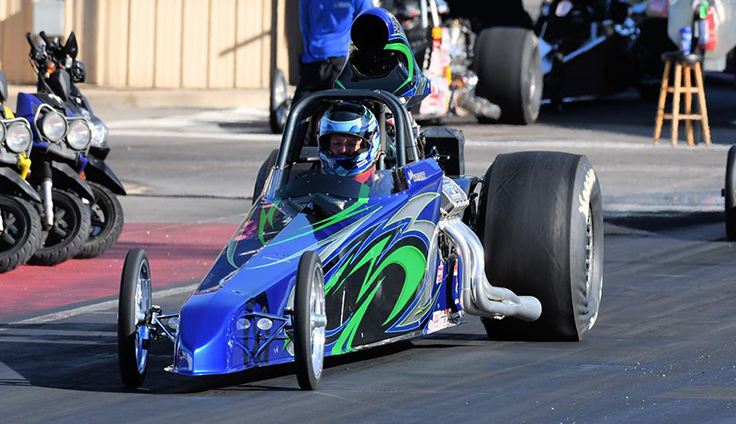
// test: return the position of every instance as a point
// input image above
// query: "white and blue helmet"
(354, 119)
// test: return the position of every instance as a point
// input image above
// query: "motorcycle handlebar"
(45, 38)
(31, 41)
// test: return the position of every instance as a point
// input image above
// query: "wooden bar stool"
(684, 64)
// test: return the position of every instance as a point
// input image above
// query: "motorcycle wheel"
(21, 232)
(106, 215)
(69, 232)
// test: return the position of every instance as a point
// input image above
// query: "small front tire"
(310, 320)
(134, 308)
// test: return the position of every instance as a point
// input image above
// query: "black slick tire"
(21, 232)
(263, 172)
(309, 335)
(542, 231)
(729, 194)
(134, 303)
(509, 69)
(106, 215)
(71, 229)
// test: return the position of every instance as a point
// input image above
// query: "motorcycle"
(20, 224)
(106, 211)
(60, 144)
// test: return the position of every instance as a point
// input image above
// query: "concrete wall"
(165, 43)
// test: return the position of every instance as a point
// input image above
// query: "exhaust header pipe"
(478, 296)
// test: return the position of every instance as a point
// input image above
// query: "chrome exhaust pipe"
(48, 203)
(478, 296)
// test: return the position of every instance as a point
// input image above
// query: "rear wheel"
(542, 231)
(730, 194)
(71, 229)
(134, 306)
(106, 214)
(21, 232)
(279, 102)
(509, 68)
(310, 320)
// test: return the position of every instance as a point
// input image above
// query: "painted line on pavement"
(253, 137)
(620, 145)
(56, 316)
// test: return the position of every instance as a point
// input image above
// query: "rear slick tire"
(21, 233)
(542, 232)
(730, 194)
(309, 322)
(509, 69)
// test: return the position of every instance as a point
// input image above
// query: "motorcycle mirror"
(3, 86)
(79, 72)
(71, 48)
(61, 84)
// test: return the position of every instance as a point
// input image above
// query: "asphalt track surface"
(662, 350)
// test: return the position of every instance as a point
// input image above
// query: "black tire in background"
(21, 233)
(509, 68)
(309, 334)
(542, 231)
(730, 194)
(71, 229)
(134, 303)
(279, 102)
(106, 215)
(263, 172)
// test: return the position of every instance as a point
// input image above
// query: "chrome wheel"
(318, 321)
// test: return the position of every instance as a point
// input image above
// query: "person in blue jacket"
(325, 26)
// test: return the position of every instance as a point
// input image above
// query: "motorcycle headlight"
(99, 135)
(53, 126)
(18, 137)
(79, 135)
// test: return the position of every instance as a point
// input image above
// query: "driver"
(349, 145)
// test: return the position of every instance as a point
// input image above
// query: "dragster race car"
(326, 265)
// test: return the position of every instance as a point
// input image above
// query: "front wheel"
(541, 224)
(134, 308)
(71, 229)
(20, 234)
(730, 194)
(106, 215)
(310, 320)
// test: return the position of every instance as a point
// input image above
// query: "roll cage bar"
(406, 145)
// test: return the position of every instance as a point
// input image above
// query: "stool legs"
(687, 69)
(701, 100)
(682, 71)
(662, 101)
(676, 103)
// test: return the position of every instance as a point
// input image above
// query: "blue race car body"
(383, 277)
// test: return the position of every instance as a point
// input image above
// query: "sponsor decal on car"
(439, 321)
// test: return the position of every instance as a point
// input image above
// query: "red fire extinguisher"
(708, 29)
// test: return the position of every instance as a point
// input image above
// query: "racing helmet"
(352, 119)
